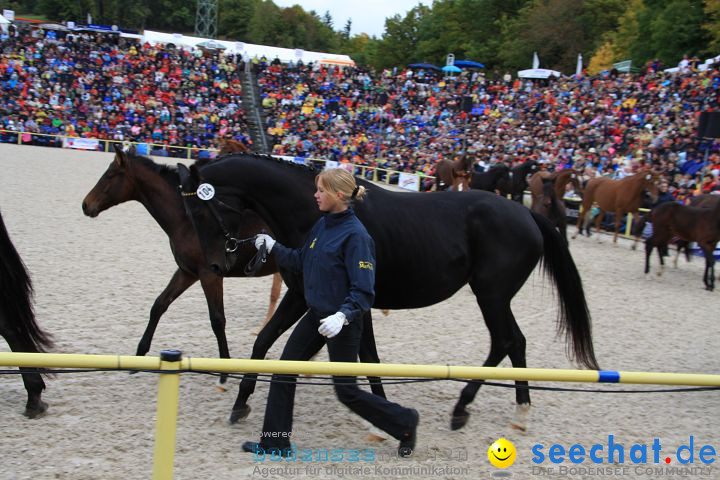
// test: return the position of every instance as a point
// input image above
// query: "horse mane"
(16, 294)
(167, 172)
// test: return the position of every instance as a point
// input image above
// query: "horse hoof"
(634, 247)
(239, 414)
(520, 419)
(37, 411)
(221, 385)
(459, 421)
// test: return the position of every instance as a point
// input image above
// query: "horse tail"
(573, 314)
(16, 293)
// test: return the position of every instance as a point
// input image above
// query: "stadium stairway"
(253, 110)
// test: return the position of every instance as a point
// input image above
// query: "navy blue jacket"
(337, 263)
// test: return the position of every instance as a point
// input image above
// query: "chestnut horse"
(453, 175)
(698, 224)
(17, 319)
(547, 192)
(619, 196)
(228, 145)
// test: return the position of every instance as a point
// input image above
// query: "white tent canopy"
(538, 73)
(4, 23)
(249, 50)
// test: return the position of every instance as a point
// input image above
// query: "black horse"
(517, 182)
(492, 180)
(17, 319)
(428, 245)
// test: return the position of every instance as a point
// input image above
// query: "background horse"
(453, 175)
(517, 181)
(691, 224)
(228, 145)
(17, 319)
(428, 246)
(134, 177)
(492, 180)
(619, 196)
(548, 190)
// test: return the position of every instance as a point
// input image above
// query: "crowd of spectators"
(110, 88)
(611, 124)
(103, 86)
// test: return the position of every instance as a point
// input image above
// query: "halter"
(231, 243)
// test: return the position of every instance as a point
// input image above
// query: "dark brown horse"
(132, 177)
(548, 190)
(517, 181)
(699, 224)
(492, 180)
(619, 196)
(453, 175)
(17, 319)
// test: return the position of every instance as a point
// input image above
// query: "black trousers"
(303, 344)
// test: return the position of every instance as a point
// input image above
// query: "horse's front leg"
(179, 282)
(274, 297)
(291, 308)
(212, 286)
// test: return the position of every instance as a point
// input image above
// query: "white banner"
(81, 143)
(409, 181)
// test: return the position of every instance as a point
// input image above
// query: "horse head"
(650, 180)
(115, 185)
(224, 224)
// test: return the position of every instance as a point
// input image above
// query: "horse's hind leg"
(179, 282)
(505, 339)
(34, 384)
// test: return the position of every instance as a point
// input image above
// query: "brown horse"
(547, 191)
(698, 224)
(228, 145)
(132, 177)
(619, 196)
(453, 175)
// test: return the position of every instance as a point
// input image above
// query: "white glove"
(266, 239)
(331, 326)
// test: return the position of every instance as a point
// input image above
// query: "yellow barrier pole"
(167, 410)
(628, 224)
(61, 360)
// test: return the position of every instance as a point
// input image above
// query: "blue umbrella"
(468, 64)
(451, 68)
(427, 66)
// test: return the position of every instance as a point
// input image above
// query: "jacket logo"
(312, 245)
(367, 265)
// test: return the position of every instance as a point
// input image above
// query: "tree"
(712, 25)
(348, 28)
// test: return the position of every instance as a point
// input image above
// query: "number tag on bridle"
(648, 176)
(205, 191)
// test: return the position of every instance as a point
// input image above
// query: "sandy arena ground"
(96, 279)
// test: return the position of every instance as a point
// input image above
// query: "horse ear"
(120, 158)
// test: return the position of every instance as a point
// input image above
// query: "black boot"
(407, 443)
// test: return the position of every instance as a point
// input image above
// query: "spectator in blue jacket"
(338, 266)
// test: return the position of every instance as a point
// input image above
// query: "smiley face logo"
(502, 453)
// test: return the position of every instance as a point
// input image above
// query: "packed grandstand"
(95, 86)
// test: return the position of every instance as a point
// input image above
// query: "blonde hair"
(339, 180)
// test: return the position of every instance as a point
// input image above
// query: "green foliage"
(502, 34)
